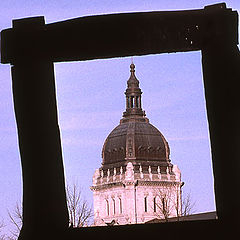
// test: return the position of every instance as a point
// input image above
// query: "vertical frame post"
(44, 198)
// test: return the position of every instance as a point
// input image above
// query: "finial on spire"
(132, 66)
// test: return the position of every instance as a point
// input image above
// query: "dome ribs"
(135, 139)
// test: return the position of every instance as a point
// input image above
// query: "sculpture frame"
(32, 46)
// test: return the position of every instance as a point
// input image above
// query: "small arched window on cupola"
(137, 102)
(132, 101)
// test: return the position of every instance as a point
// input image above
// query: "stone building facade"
(137, 181)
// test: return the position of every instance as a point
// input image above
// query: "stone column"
(135, 102)
(127, 102)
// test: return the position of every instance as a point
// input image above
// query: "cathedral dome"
(136, 171)
(135, 139)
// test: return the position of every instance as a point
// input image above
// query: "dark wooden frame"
(32, 46)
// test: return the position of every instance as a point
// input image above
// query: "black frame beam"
(32, 46)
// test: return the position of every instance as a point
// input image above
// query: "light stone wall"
(132, 190)
(106, 196)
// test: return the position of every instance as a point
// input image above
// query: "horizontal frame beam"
(118, 35)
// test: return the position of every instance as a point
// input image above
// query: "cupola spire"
(133, 96)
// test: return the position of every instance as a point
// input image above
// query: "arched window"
(145, 204)
(120, 205)
(154, 204)
(114, 208)
(107, 207)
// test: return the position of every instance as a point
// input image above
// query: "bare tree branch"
(165, 203)
(170, 202)
(187, 205)
(2, 236)
(16, 219)
(2, 225)
(79, 211)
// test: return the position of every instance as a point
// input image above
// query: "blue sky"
(90, 98)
